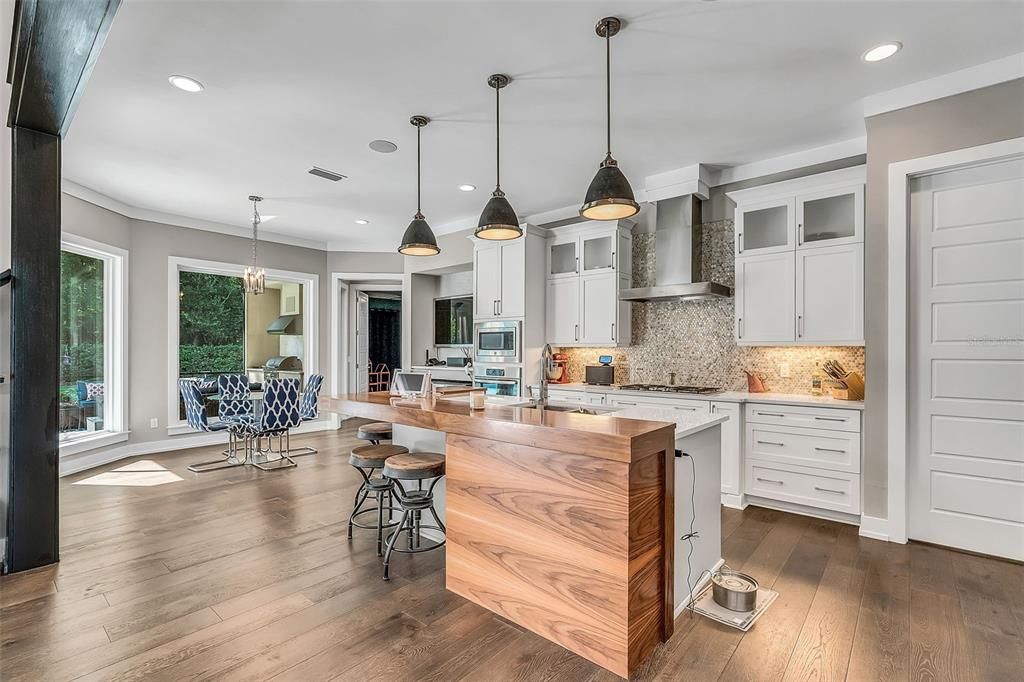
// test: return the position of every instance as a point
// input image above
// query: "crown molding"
(948, 84)
(91, 196)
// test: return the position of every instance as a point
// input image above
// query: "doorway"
(378, 338)
(966, 358)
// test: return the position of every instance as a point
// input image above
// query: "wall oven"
(499, 341)
(499, 380)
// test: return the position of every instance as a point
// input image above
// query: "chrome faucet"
(547, 364)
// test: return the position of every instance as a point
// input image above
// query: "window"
(215, 328)
(91, 372)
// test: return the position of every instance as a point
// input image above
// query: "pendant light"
(498, 222)
(254, 279)
(609, 196)
(418, 239)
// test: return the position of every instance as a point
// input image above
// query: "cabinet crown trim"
(857, 175)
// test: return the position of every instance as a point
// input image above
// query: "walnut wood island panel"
(562, 523)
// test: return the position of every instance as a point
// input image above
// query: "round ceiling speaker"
(383, 146)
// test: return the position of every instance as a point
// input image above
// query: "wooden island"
(562, 523)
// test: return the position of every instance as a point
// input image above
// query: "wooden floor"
(246, 575)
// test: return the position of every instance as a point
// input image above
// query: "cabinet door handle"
(769, 414)
(713, 408)
(842, 452)
(613, 331)
(577, 265)
(800, 233)
(830, 490)
(739, 242)
(800, 325)
(831, 419)
(577, 332)
(739, 327)
(770, 480)
(494, 307)
(770, 442)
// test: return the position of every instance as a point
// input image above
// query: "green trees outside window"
(211, 332)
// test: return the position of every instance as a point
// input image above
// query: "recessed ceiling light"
(362, 221)
(185, 83)
(383, 146)
(883, 51)
(467, 188)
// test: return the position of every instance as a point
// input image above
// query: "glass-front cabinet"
(830, 218)
(765, 227)
(563, 258)
(598, 253)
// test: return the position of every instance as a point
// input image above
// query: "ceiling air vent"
(326, 174)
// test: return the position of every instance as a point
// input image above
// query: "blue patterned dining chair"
(234, 397)
(309, 408)
(195, 415)
(280, 413)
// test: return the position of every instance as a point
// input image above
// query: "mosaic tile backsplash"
(695, 339)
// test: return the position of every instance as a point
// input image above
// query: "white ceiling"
(290, 85)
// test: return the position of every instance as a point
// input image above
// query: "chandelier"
(254, 279)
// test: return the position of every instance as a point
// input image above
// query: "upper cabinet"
(587, 265)
(800, 261)
(507, 276)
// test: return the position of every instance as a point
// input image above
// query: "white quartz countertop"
(686, 423)
(725, 396)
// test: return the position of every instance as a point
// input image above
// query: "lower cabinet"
(803, 455)
(576, 397)
(732, 454)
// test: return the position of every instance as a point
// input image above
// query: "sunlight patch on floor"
(138, 474)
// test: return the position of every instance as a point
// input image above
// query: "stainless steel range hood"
(678, 274)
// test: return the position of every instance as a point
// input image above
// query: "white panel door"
(362, 342)
(599, 305)
(765, 299)
(830, 295)
(563, 311)
(486, 282)
(966, 470)
(512, 300)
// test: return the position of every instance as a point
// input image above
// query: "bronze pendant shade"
(419, 239)
(609, 196)
(498, 221)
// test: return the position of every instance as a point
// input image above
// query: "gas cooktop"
(665, 388)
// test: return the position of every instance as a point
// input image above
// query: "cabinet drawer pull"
(830, 490)
(769, 414)
(842, 452)
(770, 442)
(683, 407)
(831, 419)
(623, 402)
(769, 480)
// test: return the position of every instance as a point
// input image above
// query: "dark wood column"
(53, 50)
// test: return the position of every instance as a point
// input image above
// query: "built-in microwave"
(498, 341)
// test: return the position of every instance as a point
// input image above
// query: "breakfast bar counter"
(560, 522)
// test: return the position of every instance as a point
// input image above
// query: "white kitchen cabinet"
(291, 298)
(597, 257)
(575, 397)
(800, 261)
(732, 452)
(830, 217)
(563, 311)
(830, 295)
(765, 227)
(765, 299)
(499, 280)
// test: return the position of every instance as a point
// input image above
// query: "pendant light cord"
(255, 230)
(418, 207)
(608, 85)
(497, 138)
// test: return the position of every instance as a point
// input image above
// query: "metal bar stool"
(374, 432)
(418, 466)
(366, 459)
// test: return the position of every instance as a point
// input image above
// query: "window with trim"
(90, 372)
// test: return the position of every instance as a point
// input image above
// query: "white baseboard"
(73, 464)
(876, 528)
(701, 584)
(813, 512)
(734, 501)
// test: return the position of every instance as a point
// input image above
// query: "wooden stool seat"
(414, 466)
(374, 431)
(374, 456)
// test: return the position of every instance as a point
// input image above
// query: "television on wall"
(453, 321)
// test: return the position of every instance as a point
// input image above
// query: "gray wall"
(368, 261)
(149, 245)
(966, 120)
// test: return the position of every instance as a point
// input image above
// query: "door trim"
(897, 373)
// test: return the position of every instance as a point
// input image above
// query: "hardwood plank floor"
(248, 575)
